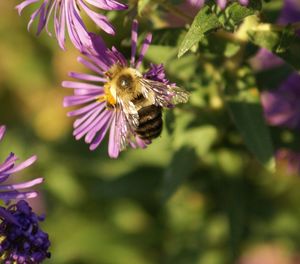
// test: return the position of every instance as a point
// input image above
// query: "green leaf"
(207, 20)
(231, 49)
(204, 22)
(235, 13)
(180, 167)
(282, 42)
(248, 117)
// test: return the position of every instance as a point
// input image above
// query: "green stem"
(175, 11)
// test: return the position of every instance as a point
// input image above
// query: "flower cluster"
(66, 16)
(22, 241)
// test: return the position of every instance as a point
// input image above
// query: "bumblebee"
(141, 99)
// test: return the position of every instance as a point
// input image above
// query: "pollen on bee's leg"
(108, 96)
(101, 98)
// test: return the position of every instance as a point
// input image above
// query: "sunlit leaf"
(204, 22)
(235, 13)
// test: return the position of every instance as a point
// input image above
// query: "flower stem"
(175, 11)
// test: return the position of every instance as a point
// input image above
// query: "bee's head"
(125, 81)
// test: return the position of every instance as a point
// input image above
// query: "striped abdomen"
(150, 122)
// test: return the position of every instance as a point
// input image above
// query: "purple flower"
(67, 15)
(102, 108)
(290, 12)
(265, 59)
(8, 167)
(22, 240)
(282, 106)
(157, 73)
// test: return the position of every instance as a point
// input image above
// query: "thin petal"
(23, 185)
(22, 165)
(2, 131)
(7, 196)
(107, 5)
(84, 109)
(98, 139)
(100, 123)
(24, 4)
(79, 85)
(78, 100)
(87, 77)
(114, 139)
(133, 42)
(144, 49)
(90, 65)
(100, 20)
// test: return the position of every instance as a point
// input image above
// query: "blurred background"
(196, 195)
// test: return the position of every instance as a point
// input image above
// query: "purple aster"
(22, 240)
(290, 12)
(8, 167)
(102, 108)
(282, 106)
(265, 59)
(66, 15)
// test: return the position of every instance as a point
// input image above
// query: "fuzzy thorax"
(123, 83)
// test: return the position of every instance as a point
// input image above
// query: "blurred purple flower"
(282, 106)
(265, 59)
(8, 167)
(288, 161)
(102, 109)
(67, 15)
(22, 241)
(290, 12)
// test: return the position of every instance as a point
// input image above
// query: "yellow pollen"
(108, 97)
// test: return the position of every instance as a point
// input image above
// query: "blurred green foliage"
(196, 195)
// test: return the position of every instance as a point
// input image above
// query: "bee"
(141, 99)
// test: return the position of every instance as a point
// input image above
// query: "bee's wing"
(121, 137)
(124, 135)
(130, 112)
(163, 94)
